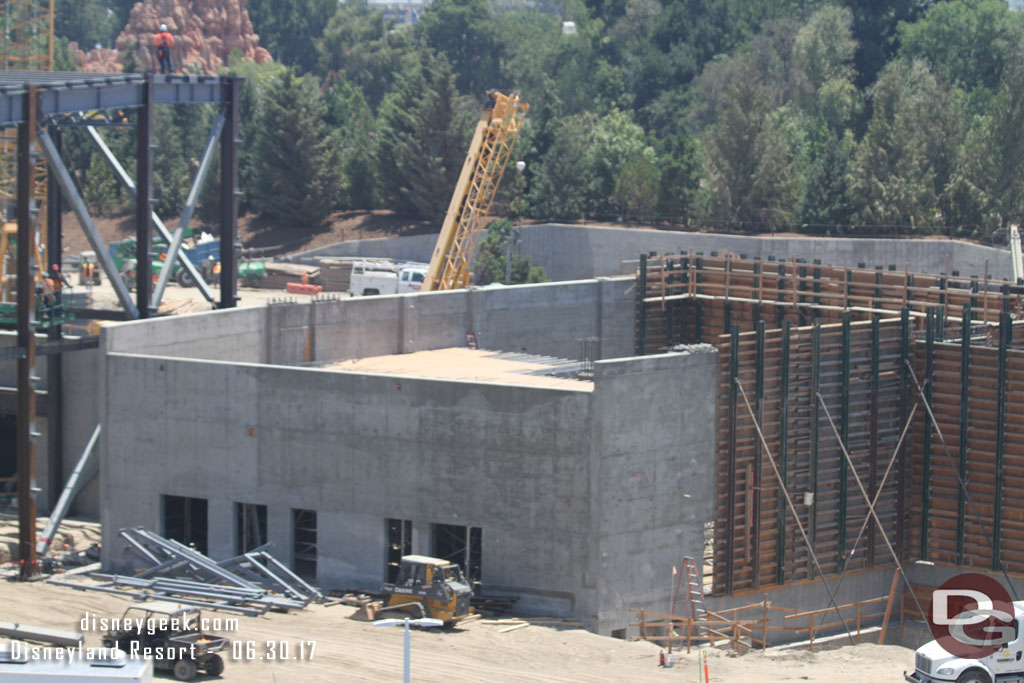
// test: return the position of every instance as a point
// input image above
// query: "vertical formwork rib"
(1005, 337)
(965, 360)
(641, 308)
(873, 452)
(815, 417)
(54, 362)
(759, 400)
(844, 431)
(780, 568)
(926, 441)
(901, 458)
(734, 367)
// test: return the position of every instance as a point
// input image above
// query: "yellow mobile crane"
(489, 152)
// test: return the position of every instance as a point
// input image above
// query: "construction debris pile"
(247, 584)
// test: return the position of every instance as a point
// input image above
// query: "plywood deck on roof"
(474, 365)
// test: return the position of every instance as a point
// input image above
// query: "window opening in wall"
(462, 545)
(185, 521)
(250, 526)
(399, 544)
(304, 546)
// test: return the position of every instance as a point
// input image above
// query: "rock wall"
(205, 33)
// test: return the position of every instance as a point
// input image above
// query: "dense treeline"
(855, 117)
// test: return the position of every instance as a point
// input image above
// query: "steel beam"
(901, 472)
(26, 417)
(144, 200)
(812, 514)
(186, 213)
(873, 453)
(734, 366)
(129, 185)
(844, 429)
(67, 186)
(229, 194)
(71, 488)
(759, 403)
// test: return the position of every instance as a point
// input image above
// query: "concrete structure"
(574, 252)
(575, 488)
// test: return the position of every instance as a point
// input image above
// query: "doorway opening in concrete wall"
(399, 533)
(8, 447)
(304, 551)
(250, 527)
(462, 545)
(186, 521)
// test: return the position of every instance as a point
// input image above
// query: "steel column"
(26, 417)
(965, 383)
(229, 196)
(144, 200)
(54, 375)
(1005, 336)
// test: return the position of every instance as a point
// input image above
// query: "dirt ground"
(346, 649)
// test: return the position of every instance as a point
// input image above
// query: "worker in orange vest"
(163, 42)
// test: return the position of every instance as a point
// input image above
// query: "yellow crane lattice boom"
(488, 155)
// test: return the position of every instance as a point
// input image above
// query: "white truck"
(932, 663)
(381, 276)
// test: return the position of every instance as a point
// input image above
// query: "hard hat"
(163, 27)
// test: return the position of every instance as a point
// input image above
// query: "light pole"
(424, 622)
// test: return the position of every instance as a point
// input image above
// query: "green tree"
(680, 168)
(615, 142)
(875, 28)
(297, 174)
(86, 22)
(559, 187)
(496, 256)
(289, 29)
(423, 139)
(910, 149)
(967, 42)
(465, 32)
(350, 118)
(748, 167)
(362, 45)
(636, 186)
(825, 206)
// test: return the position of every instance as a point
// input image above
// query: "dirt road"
(326, 644)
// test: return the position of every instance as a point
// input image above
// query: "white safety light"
(568, 28)
(520, 166)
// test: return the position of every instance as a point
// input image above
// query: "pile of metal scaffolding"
(248, 584)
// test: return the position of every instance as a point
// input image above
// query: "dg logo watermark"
(971, 616)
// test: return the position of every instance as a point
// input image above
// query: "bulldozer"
(425, 587)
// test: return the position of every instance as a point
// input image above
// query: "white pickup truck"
(934, 664)
(372, 277)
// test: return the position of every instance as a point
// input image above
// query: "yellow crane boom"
(489, 152)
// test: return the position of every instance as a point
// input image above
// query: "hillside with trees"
(854, 117)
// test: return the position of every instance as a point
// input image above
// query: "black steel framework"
(38, 104)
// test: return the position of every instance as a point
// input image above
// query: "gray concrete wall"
(358, 449)
(546, 319)
(235, 335)
(652, 468)
(577, 252)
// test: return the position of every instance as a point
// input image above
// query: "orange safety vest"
(164, 39)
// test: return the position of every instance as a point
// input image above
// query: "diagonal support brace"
(129, 185)
(186, 213)
(67, 186)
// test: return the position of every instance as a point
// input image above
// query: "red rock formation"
(100, 60)
(205, 32)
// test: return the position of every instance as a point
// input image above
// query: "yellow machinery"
(489, 152)
(427, 587)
